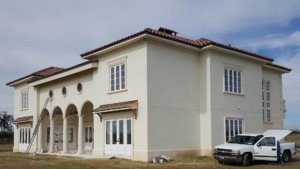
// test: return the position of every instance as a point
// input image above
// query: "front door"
(118, 138)
(88, 138)
(266, 149)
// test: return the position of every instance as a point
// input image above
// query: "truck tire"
(246, 160)
(286, 156)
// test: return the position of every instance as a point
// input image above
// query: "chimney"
(168, 31)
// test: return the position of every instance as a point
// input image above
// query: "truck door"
(265, 149)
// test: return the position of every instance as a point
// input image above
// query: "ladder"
(36, 128)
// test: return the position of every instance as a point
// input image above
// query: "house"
(150, 93)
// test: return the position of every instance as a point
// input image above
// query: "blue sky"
(36, 34)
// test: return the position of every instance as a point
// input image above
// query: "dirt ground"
(10, 160)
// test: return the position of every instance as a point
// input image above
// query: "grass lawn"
(10, 160)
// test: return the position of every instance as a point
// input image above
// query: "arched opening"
(88, 126)
(46, 131)
(72, 128)
(57, 116)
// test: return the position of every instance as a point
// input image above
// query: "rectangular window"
(233, 127)
(24, 99)
(117, 77)
(121, 131)
(88, 134)
(232, 81)
(266, 101)
(71, 135)
(24, 135)
(114, 132)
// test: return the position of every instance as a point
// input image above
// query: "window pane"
(231, 129)
(70, 135)
(90, 139)
(122, 76)
(236, 127)
(226, 80)
(108, 132)
(230, 80)
(86, 134)
(235, 81)
(112, 79)
(128, 131)
(239, 83)
(227, 130)
(48, 134)
(29, 135)
(114, 132)
(117, 77)
(121, 132)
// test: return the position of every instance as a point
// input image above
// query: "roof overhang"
(23, 120)
(214, 47)
(117, 107)
(20, 81)
(276, 68)
(65, 73)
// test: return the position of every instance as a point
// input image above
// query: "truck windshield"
(249, 140)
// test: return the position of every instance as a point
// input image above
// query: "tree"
(6, 121)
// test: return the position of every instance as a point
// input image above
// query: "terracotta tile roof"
(64, 70)
(39, 74)
(199, 43)
(128, 105)
(48, 71)
(279, 67)
(25, 119)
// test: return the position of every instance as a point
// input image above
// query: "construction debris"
(160, 159)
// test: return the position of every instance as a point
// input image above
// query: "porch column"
(80, 134)
(51, 141)
(65, 135)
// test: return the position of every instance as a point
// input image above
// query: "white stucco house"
(150, 93)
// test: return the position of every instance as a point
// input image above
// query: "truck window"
(267, 141)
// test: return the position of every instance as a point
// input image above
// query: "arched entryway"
(87, 127)
(45, 131)
(72, 128)
(56, 131)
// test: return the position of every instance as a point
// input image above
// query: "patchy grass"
(10, 160)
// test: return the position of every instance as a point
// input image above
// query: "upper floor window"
(24, 99)
(117, 77)
(232, 81)
(266, 100)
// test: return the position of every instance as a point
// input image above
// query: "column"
(65, 135)
(51, 141)
(80, 134)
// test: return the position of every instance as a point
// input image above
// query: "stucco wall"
(173, 100)
(247, 105)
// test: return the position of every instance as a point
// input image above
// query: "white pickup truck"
(245, 148)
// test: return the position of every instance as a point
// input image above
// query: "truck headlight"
(236, 152)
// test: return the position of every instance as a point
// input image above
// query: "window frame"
(266, 101)
(240, 126)
(232, 81)
(113, 65)
(25, 99)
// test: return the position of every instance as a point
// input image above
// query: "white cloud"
(276, 41)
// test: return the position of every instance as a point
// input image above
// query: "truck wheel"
(286, 156)
(246, 159)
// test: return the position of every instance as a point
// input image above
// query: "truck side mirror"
(258, 145)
